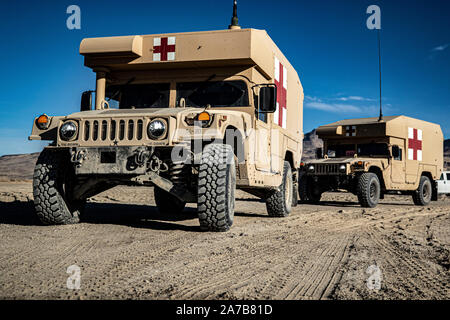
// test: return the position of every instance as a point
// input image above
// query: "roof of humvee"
(221, 48)
(360, 121)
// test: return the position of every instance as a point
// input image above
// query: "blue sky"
(326, 41)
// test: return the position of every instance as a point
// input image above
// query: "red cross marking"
(281, 95)
(415, 144)
(164, 49)
(350, 131)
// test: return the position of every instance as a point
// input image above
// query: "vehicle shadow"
(136, 216)
(347, 204)
(132, 215)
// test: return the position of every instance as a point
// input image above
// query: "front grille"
(108, 131)
(327, 168)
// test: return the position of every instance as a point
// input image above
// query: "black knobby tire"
(279, 203)
(294, 192)
(216, 188)
(314, 195)
(306, 191)
(368, 190)
(303, 188)
(52, 184)
(422, 196)
(167, 203)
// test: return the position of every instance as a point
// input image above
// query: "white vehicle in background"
(443, 183)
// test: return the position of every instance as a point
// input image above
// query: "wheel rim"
(426, 191)
(373, 191)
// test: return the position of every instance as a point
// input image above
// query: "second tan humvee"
(194, 114)
(371, 158)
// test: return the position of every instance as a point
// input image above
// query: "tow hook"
(141, 156)
(156, 165)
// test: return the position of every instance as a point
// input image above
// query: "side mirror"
(319, 153)
(86, 101)
(267, 99)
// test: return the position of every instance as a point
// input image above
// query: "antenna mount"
(234, 20)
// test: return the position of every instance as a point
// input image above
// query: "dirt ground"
(127, 250)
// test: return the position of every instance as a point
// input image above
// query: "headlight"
(157, 129)
(311, 168)
(343, 168)
(68, 130)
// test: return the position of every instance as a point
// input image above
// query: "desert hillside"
(18, 167)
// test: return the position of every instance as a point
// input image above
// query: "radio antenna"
(234, 20)
(379, 66)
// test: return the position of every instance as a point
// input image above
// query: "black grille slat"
(121, 130)
(95, 131)
(130, 129)
(140, 129)
(87, 126)
(104, 130)
(113, 130)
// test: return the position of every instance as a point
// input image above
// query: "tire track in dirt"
(419, 277)
(318, 272)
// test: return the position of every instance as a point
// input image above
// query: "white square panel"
(171, 56)
(171, 41)
(410, 154)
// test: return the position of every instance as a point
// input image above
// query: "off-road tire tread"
(212, 188)
(50, 205)
(418, 196)
(303, 188)
(363, 191)
(275, 203)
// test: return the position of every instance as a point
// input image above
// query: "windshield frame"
(355, 143)
(199, 85)
(173, 79)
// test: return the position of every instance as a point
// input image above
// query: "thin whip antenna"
(379, 66)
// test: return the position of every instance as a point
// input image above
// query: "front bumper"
(110, 160)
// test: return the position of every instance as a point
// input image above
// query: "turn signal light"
(204, 116)
(43, 122)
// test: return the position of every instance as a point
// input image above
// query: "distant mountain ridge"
(21, 166)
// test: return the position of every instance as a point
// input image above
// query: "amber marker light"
(204, 116)
(43, 122)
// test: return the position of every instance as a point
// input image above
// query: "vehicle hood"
(343, 160)
(133, 112)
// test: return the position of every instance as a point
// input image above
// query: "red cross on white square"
(164, 49)
(414, 144)
(280, 115)
(350, 131)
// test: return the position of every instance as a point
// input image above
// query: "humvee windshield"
(366, 149)
(215, 93)
(155, 95)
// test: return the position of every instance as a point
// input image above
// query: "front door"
(398, 173)
(262, 146)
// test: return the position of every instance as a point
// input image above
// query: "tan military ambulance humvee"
(195, 114)
(371, 158)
